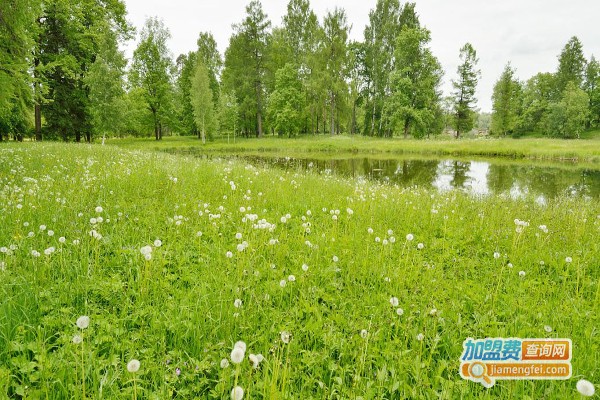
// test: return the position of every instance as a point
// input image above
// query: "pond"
(515, 179)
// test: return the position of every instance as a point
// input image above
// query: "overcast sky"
(528, 33)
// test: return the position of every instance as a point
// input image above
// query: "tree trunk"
(332, 132)
(159, 131)
(259, 120)
(37, 106)
(77, 137)
(406, 124)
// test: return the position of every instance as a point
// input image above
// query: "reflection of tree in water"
(500, 178)
(415, 172)
(591, 181)
(459, 174)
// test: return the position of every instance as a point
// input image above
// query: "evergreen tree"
(571, 65)
(464, 90)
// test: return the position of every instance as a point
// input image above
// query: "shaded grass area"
(177, 311)
(525, 148)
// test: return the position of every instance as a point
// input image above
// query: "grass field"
(526, 148)
(348, 289)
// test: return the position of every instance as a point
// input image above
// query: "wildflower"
(364, 333)
(254, 360)
(370, 230)
(229, 254)
(241, 247)
(224, 363)
(400, 312)
(100, 220)
(285, 337)
(521, 274)
(410, 237)
(420, 337)
(178, 372)
(390, 232)
(146, 250)
(237, 303)
(433, 312)
(83, 322)
(335, 259)
(76, 242)
(77, 339)
(241, 344)
(237, 355)
(99, 209)
(199, 234)
(157, 243)
(237, 393)
(133, 366)
(586, 388)
(496, 255)
(385, 242)
(568, 260)
(334, 217)
(282, 283)
(304, 267)
(50, 233)
(283, 220)
(62, 239)
(420, 246)
(394, 301)
(291, 278)
(238, 236)
(392, 239)
(42, 227)
(548, 328)
(93, 221)
(377, 239)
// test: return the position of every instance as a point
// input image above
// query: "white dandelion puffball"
(224, 363)
(99, 209)
(157, 243)
(238, 236)
(237, 303)
(496, 255)
(237, 393)
(83, 322)
(237, 355)
(394, 301)
(548, 328)
(133, 366)
(241, 344)
(521, 274)
(586, 388)
(285, 337)
(364, 333)
(335, 259)
(420, 337)
(400, 312)
(291, 278)
(568, 260)
(282, 283)
(229, 254)
(77, 339)
(254, 360)
(146, 250)
(304, 267)
(420, 246)
(370, 231)
(410, 237)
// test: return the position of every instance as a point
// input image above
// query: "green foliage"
(286, 103)
(151, 71)
(571, 65)
(464, 90)
(506, 103)
(592, 88)
(202, 102)
(415, 83)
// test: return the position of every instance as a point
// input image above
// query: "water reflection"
(475, 177)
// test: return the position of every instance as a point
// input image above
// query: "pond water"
(516, 179)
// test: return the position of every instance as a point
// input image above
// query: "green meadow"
(339, 288)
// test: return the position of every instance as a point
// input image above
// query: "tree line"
(62, 76)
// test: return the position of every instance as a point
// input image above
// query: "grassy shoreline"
(533, 149)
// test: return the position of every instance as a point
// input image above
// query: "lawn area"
(339, 288)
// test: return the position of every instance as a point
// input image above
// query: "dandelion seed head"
(420, 337)
(364, 333)
(548, 328)
(410, 237)
(237, 393)
(133, 366)
(229, 254)
(420, 246)
(586, 388)
(285, 337)
(291, 278)
(496, 255)
(400, 312)
(83, 322)
(521, 274)
(370, 231)
(224, 363)
(394, 301)
(304, 267)
(237, 303)
(237, 355)
(77, 339)
(568, 260)
(282, 283)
